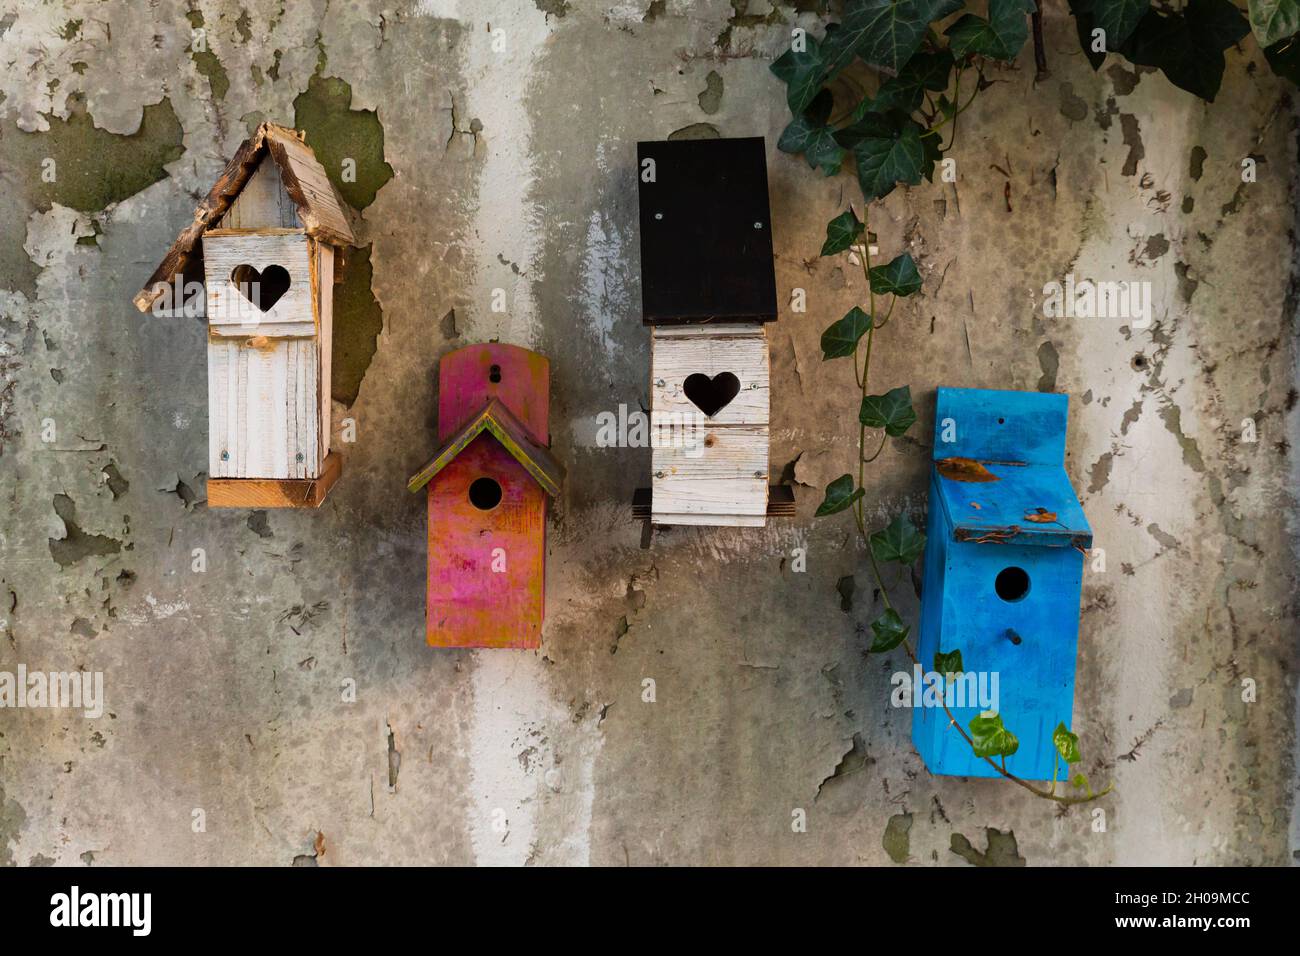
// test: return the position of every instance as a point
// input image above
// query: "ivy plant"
(925, 80)
(1185, 41)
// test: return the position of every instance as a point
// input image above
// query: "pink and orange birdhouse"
(489, 484)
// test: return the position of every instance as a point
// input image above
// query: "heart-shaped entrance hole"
(263, 289)
(711, 395)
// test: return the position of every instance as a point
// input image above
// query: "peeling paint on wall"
(495, 148)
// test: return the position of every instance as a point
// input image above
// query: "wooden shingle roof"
(323, 212)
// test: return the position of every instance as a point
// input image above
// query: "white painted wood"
(264, 408)
(230, 312)
(713, 521)
(239, 454)
(725, 474)
(219, 392)
(325, 288)
(680, 351)
(262, 202)
(710, 471)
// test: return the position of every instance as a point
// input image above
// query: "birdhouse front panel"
(263, 241)
(487, 549)
(268, 384)
(709, 419)
(259, 283)
(489, 486)
(1006, 542)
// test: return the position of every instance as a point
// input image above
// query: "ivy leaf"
(841, 232)
(1274, 20)
(949, 663)
(1188, 47)
(841, 338)
(803, 74)
(888, 632)
(925, 71)
(892, 411)
(1000, 37)
(899, 541)
(898, 277)
(991, 739)
(809, 134)
(1080, 780)
(1084, 22)
(840, 493)
(1067, 744)
(885, 33)
(1117, 18)
(817, 143)
(888, 150)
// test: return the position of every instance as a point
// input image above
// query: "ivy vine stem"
(1000, 768)
(859, 506)
(909, 106)
(859, 511)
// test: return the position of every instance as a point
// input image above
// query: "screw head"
(298, 457)
(659, 215)
(758, 225)
(225, 456)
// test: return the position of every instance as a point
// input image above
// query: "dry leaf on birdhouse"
(319, 845)
(1041, 516)
(964, 469)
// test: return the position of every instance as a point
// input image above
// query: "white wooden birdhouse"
(264, 245)
(708, 289)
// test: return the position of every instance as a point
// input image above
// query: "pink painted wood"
(465, 385)
(486, 580)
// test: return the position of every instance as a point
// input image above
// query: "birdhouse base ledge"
(276, 492)
(780, 504)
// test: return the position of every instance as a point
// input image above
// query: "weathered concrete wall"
(513, 169)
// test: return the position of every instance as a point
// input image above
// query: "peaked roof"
(511, 433)
(323, 212)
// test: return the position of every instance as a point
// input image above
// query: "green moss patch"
(358, 320)
(77, 165)
(337, 133)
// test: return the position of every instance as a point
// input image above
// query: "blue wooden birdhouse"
(1004, 554)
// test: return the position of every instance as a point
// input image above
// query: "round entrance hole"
(484, 494)
(1012, 583)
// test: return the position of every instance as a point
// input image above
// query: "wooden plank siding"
(710, 470)
(263, 409)
(324, 291)
(263, 203)
(228, 308)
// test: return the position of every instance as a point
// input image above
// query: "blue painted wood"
(994, 425)
(1002, 508)
(1032, 680)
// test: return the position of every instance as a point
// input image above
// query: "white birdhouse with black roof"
(264, 245)
(708, 290)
